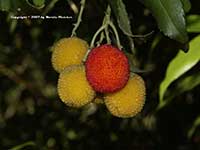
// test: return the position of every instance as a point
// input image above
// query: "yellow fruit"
(128, 101)
(73, 87)
(68, 51)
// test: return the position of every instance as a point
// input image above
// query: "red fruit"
(107, 69)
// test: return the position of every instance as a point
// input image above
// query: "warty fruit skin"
(107, 69)
(129, 101)
(68, 51)
(73, 87)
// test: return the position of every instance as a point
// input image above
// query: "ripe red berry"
(107, 69)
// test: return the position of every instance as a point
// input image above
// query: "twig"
(102, 36)
(76, 25)
(105, 21)
(142, 36)
(96, 34)
(93, 40)
(116, 34)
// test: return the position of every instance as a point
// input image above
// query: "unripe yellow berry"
(73, 87)
(128, 101)
(68, 51)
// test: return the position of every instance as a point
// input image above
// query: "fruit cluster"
(105, 71)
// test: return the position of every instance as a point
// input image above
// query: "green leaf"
(18, 147)
(196, 123)
(169, 15)
(186, 5)
(121, 14)
(38, 3)
(187, 83)
(181, 64)
(183, 85)
(193, 23)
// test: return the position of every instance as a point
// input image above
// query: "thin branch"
(102, 36)
(105, 21)
(142, 36)
(93, 40)
(76, 25)
(116, 34)
(96, 34)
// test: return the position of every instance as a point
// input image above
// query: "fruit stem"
(104, 27)
(96, 34)
(102, 36)
(116, 34)
(76, 25)
(105, 21)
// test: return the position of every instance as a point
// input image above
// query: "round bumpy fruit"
(68, 51)
(73, 87)
(107, 69)
(128, 101)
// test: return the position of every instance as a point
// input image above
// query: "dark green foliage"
(170, 17)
